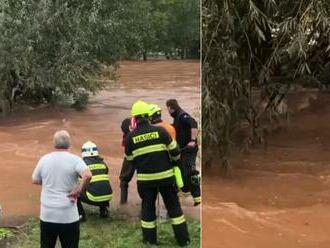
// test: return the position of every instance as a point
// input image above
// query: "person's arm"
(193, 141)
(172, 146)
(191, 122)
(86, 176)
(174, 152)
(36, 181)
(128, 175)
(36, 175)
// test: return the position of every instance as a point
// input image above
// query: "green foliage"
(139, 32)
(253, 51)
(177, 25)
(80, 98)
(5, 233)
(58, 45)
(164, 26)
(50, 44)
(184, 30)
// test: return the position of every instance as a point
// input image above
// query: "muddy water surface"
(27, 135)
(279, 197)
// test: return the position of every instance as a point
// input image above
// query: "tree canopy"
(58, 46)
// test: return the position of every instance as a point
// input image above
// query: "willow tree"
(58, 47)
(263, 45)
(54, 46)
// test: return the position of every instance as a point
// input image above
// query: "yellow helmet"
(140, 108)
(154, 108)
(89, 149)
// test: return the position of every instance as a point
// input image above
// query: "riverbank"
(116, 231)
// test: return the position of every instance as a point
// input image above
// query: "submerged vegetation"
(253, 54)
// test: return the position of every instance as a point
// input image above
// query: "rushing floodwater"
(279, 197)
(28, 135)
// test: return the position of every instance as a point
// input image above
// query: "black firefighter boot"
(181, 234)
(150, 236)
(104, 212)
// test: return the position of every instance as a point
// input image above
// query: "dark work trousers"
(188, 166)
(83, 198)
(125, 177)
(68, 234)
(148, 195)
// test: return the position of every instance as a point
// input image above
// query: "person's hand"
(74, 194)
(191, 144)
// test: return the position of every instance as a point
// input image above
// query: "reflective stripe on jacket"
(153, 154)
(99, 188)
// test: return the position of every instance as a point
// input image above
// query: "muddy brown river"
(279, 197)
(27, 135)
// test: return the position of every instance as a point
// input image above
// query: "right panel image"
(266, 124)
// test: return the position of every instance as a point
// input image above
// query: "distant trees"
(258, 45)
(57, 46)
(177, 25)
(167, 26)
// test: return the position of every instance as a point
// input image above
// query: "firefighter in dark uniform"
(154, 155)
(126, 172)
(186, 136)
(99, 191)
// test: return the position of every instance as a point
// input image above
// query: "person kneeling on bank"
(99, 191)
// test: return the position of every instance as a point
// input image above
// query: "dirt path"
(279, 197)
(28, 135)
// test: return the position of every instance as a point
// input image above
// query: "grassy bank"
(113, 232)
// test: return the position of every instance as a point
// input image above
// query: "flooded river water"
(26, 136)
(279, 197)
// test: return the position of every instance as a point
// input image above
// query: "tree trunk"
(4, 107)
(145, 56)
(167, 55)
(183, 53)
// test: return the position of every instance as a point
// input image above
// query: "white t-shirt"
(59, 172)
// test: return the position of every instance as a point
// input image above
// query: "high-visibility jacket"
(168, 127)
(153, 153)
(171, 131)
(99, 188)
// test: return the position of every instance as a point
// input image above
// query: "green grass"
(113, 232)
(5, 233)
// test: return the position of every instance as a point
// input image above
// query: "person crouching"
(99, 191)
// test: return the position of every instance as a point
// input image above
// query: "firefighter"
(154, 155)
(186, 136)
(155, 117)
(126, 172)
(99, 191)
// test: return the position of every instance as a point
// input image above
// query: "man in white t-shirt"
(58, 173)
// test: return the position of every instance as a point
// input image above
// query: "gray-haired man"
(58, 173)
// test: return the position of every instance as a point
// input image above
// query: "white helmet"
(89, 149)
